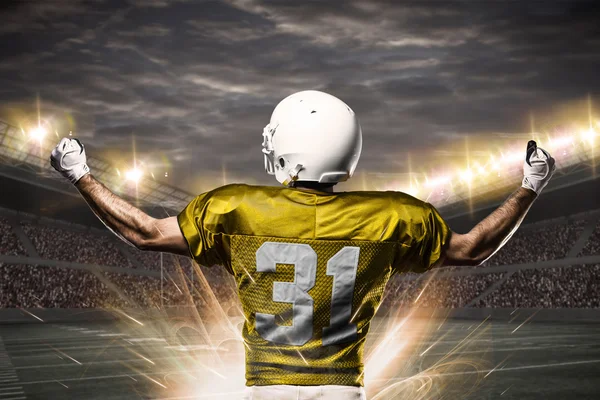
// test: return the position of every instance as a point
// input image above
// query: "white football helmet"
(312, 136)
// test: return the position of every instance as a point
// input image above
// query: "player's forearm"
(126, 221)
(493, 232)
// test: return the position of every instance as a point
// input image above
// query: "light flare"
(131, 318)
(437, 182)
(134, 175)
(527, 320)
(154, 380)
(33, 315)
(561, 142)
(588, 136)
(38, 133)
(466, 175)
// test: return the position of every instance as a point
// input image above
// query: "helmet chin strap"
(293, 175)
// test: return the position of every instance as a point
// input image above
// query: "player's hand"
(537, 168)
(68, 158)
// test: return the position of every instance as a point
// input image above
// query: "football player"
(310, 264)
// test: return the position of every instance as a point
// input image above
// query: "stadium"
(454, 98)
(86, 316)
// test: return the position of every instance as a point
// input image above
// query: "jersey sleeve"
(426, 236)
(199, 226)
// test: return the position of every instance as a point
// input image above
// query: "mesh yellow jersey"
(310, 270)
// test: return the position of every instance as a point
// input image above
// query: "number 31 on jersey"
(342, 266)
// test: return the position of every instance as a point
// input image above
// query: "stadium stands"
(566, 287)
(545, 242)
(9, 243)
(531, 286)
(60, 244)
(29, 286)
(452, 292)
(593, 244)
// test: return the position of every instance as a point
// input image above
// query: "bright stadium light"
(38, 133)
(479, 169)
(588, 135)
(134, 175)
(412, 190)
(466, 176)
(512, 157)
(558, 142)
(436, 182)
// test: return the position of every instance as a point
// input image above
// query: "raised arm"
(492, 233)
(129, 223)
(487, 237)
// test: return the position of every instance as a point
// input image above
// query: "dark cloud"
(196, 81)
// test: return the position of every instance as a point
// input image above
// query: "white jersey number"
(342, 266)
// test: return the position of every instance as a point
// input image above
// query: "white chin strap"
(293, 175)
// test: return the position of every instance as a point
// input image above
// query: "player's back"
(311, 268)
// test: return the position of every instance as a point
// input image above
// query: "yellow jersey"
(310, 269)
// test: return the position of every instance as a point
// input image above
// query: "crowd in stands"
(152, 260)
(546, 242)
(442, 292)
(592, 246)
(83, 247)
(533, 244)
(186, 283)
(565, 287)
(27, 286)
(9, 243)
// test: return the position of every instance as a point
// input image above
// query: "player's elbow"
(474, 260)
(139, 241)
(149, 243)
(464, 251)
(463, 260)
(162, 234)
(147, 236)
(142, 244)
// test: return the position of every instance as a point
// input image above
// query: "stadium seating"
(9, 243)
(546, 242)
(56, 243)
(451, 292)
(592, 246)
(28, 286)
(185, 283)
(566, 287)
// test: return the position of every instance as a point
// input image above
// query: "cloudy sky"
(194, 82)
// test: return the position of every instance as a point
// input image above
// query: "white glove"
(68, 158)
(537, 168)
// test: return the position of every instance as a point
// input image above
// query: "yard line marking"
(9, 381)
